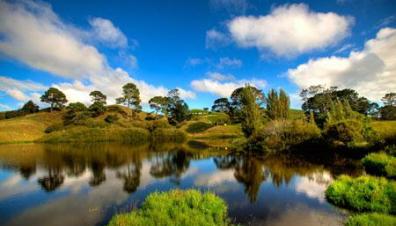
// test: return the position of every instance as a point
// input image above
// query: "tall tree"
(389, 99)
(30, 107)
(177, 109)
(130, 96)
(235, 109)
(277, 104)
(221, 105)
(54, 97)
(97, 96)
(159, 104)
(251, 113)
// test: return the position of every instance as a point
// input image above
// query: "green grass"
(198, 127)
(371, 219)
(380, 164)
(177, 208)
(165, 135)
(363, 194)
(386, 129)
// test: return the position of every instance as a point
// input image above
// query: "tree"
(221, 105)
(159, 104)
(98, 96)
(388, 112)
(277, 104)
(389, 99)
(97, 108)
(130, 96)
(235, 109)
(77, 107)
(177, 109)
(250, 110)
(54, 97)
(30, 107)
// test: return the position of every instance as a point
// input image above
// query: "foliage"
(198, 127)
(77, 107)
(29, 107)
(111, 118)
(388, 112)
(177, 109)
(371, 219)
(54, 97)
(236, 105)
(159, 104)
(130, 96)
(281, 134)
(380, 164)
(391, 150)
(97, 108)
(389, 99)
(250, 111)
(386, 130)
(221, 105)
(364, 193)
(176, 207)
(277, 104)
(163, 135)
(98, 96)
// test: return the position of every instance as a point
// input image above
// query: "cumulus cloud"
(34, 35)
(229, 62)
(223, 88)
(215, 39)
(370, 71)
(21, 90)
(290, 30)
(105, 31)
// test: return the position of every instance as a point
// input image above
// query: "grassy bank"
(380, 164)
(371, 219)
(177, 208)
(385, 129)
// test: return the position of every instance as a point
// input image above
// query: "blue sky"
(204, 48)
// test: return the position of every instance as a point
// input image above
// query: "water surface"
(86, 184)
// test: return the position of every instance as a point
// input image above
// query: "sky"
(206, 49)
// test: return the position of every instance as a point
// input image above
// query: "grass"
(371, 219)
(164, 135)
(385, 129)
(178, 208)
(220, 132)
(198, 127)
(363, 194)
(380, 164)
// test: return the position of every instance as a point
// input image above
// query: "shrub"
(363, 194)
(177, 208)
(281, 134)
(380, 164)
(198, 127)
(371, 219)
(391, 149)
(163, 135)
(77, 107)
(111, 118)
(97, 109)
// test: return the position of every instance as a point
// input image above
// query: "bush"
(77, 107)
(97, 109)
(281, 134)
(163, 135)
(176, 208)
(363, 194)
(380, 164)
(198, 127)
(371, 219)
(391, 149)
(111, 118)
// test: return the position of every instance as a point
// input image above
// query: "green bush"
(164, 135)
(371, 219)
(178, 208)
(380, 164)
(346, 131)
(198, 127)
(97, 109)
(363, 194)
(391, 149)
(111, 118)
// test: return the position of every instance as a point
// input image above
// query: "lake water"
(86, 184)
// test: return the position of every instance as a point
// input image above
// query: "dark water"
(85, 185)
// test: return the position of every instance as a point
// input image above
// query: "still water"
(86, 184)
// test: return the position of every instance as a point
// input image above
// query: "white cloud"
(215, 39)
(21, 90)
(34, 35)
(229, 62)
(105, 31)
(371, 72)
(290, 30)
(195, 61)
(219, 76)
(4, 107)
(222, 88)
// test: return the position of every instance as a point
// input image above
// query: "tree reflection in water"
(171, 164)
(53, 180)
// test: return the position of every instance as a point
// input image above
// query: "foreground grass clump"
(380, 164)
(177, 208)
(363, 194)
(371, 219)
(198, 127)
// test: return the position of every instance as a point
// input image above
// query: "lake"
(87, 184)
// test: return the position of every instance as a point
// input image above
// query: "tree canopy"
(97, 96)
(221, 105)
(130, 96)
(54, 97)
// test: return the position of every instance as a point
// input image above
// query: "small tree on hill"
(159, 104)
(54, 97)
(30, 107)
(98, 96)
(130, 97)
(177, 109)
